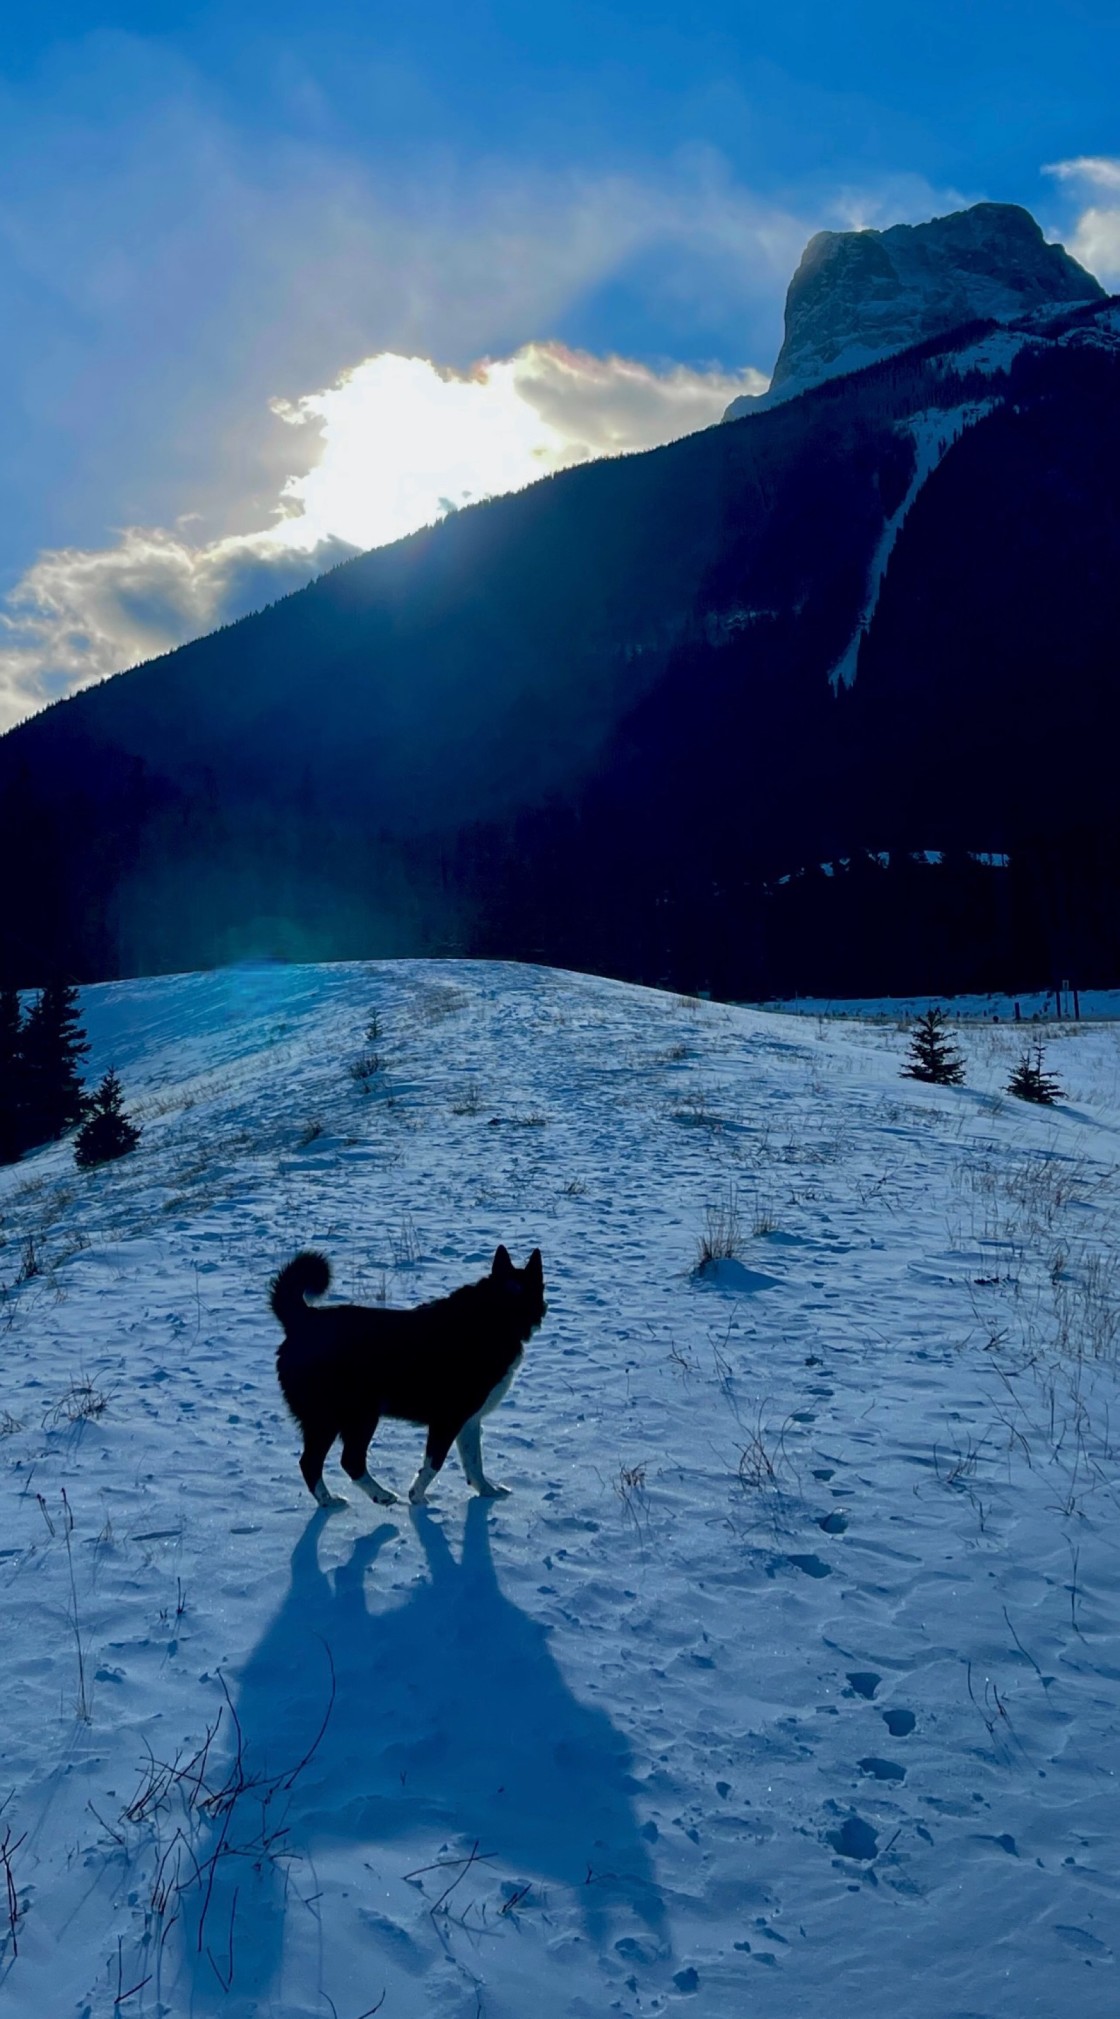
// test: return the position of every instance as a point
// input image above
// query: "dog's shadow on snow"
(451, 1725)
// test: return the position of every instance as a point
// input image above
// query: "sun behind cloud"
(403, 441)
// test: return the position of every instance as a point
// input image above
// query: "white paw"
(489, 1491)
(326, 1499)
(421, 1483)
(384, 1495)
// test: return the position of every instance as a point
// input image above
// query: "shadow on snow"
(451, 1724)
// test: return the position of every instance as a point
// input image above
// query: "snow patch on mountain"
(992, 354)
(933, 434)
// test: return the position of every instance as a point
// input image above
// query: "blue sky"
(208, 210)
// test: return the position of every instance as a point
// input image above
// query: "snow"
(994, 353)
(1034, 1005)
(987, 858)
(786, 1678)
(933, 433)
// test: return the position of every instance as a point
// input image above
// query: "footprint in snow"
(881, 1770)
(1081, 1940)
(854, 1839)
(899, 1723)
(810, 1566)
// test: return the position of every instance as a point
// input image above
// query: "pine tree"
(53, 1044)
(12, 1117)
(107, 1131)
(1030, 1080)
(933, 1055)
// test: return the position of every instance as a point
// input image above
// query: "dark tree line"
(41, 1090)
(41, 1053)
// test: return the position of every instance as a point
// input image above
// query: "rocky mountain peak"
(859, 295)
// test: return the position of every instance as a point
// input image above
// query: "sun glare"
(403, 443)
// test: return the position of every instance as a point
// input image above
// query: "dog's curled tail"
(308, 1275)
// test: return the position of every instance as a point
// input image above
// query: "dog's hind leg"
(318, 1436)
(469, 1442)
(355, 1445)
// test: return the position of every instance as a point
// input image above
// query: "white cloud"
(400, 442)
(1096, 169)
(1095, 240)
(895, 199)
(166, 272)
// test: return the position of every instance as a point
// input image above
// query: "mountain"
(860, 295)
(823, 700)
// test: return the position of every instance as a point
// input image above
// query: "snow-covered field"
(1036, 1006)
(785, 1682)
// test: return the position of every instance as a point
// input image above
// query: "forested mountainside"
(622, 719)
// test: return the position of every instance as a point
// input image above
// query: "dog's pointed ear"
(534, 1265)
(501, 1265)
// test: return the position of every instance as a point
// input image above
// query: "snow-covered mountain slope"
(858, 296)
(932, 433)
(785, 1679)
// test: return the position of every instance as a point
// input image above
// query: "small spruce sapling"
(1030, 1080)
(933, 1055)
(107, 1131)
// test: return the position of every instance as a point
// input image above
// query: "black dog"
(445, 1364)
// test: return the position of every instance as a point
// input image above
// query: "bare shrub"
(30, 1261)
(1087, 1307)
(630, 1486)
(80, 1403)
(695, 1105)
(82, 1706)
(723, 1239)
(405, 1244)
(761, 1457)
(440, 999)
(245, 1814)
(13, 1907)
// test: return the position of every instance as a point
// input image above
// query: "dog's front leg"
(469, 1442)
(438, 1446)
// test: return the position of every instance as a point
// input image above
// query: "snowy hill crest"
(790, 1661)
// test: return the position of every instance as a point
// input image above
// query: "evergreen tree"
(107, 1131)
(53, 1044)
(1030, 1080)
(12, 1116)
(933, 1055)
